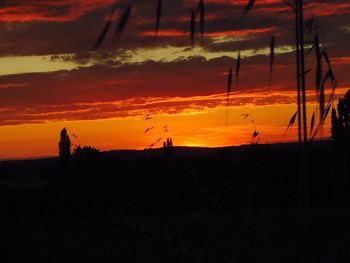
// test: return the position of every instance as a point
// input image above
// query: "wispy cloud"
(11, 65)
(172, 53)
(32, 64)
(138, 107)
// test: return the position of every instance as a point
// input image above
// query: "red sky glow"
(50, 76)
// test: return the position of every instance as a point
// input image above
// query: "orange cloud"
(50, 11)
(140, 106)
(235, 33)
(166, 33)
(70, 10)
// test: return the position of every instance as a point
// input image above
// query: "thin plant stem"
(298, 71)
(302, 67)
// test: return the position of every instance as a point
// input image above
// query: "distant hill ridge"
(188, 152)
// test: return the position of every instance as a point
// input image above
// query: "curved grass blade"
(245, 115)
(328, 76)
(229, 85)
(332, 76)
(153, 144)
(288, 4)
(201, 10)
(321, 101)
(248, 7)
(322, 93)
(327, 58)
(309, 24)
(333, 79)
(312, 123)
(322, 121)
(104, 32)
(149, 129)
(318, 54)
(307, 71)
(327, 111)
(272, 56)
(238, 67)
(291, 122)
(158, 16)
(310, 49)
(193, 25)
(102, 35)
(122, 23)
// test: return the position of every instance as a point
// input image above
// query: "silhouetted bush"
(87, 162)
(90, 173)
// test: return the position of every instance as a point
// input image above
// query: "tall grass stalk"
(303, 173)
(297, 41)
(302, 66)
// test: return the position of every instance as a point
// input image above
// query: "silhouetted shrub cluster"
(168, 147)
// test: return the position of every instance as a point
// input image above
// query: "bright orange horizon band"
(203, 129)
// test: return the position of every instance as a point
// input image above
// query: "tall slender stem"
(304, 175)
(302, 66)
(297, 44)
(303, 189)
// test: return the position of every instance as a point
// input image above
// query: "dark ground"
(195, 205)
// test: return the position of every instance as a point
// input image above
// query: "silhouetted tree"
(341, 124)
(64, 152)
(341, 136)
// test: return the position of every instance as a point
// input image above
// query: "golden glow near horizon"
(208, 129)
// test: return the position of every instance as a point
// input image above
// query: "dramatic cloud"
(49, 73)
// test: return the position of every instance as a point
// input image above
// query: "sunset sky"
(50, 78)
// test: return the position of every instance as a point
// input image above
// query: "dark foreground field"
(192, 205)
